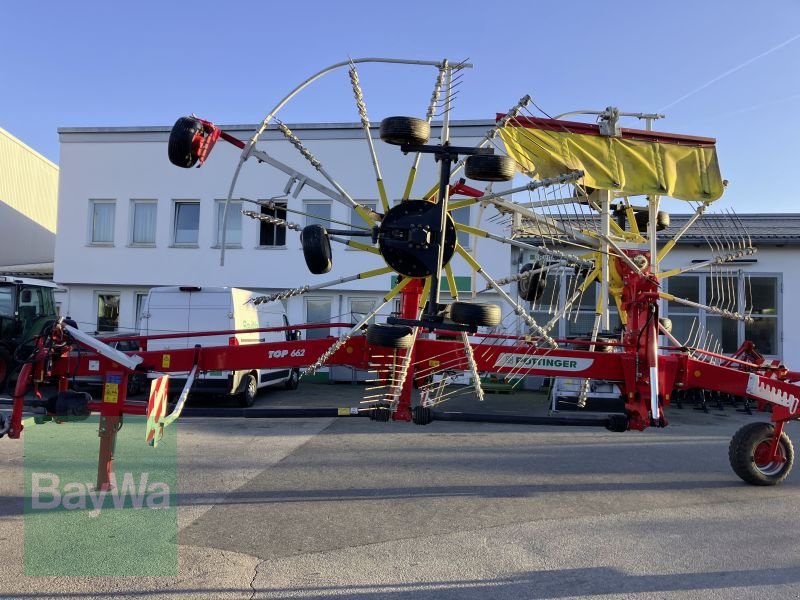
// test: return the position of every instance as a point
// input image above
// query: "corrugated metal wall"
(28, 182)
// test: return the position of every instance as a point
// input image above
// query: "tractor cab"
(26, 306)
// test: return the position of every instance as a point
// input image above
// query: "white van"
(189, 309)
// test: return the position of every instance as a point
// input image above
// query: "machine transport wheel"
(248, 397)
(181, 142)
(422, 415)
(749, 455)
(405, 130)
(294, 380)
(389, 336)
(474, 313)
(6, 365)
(380, 412)
(531, 288)
(489, 167)
(316, 249)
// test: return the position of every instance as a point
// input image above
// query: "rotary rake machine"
(567, 192)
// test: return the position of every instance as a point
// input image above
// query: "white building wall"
(126, 164)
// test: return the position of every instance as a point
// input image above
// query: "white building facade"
(129, 220)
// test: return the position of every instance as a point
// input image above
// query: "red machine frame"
(634, 362)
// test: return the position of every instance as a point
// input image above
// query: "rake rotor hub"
(407, 239)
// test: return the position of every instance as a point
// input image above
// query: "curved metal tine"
(687, 342)
(734, 221)
(458, 361)
(361, 106)
(734, 294)
(749, 297)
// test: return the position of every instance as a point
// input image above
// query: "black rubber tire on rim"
(666, 323)
(422, 415)
(405, 130)
(643, 218)
(389, 336)
(316, 249)
(380, 412)
(6, 366)
(181, 138)
(489, 167)
(474, 313)
(532, 288)
(742, 455)
(294, 380)
(250, 390)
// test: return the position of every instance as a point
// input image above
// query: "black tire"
(405, 130)
(316, 249)
(389, 336)
(489, 167)
(747, 443)
(181, 142)
(666, 323)
(531, 289)
(422, 415)
(643, 218)
(6, 366)
(473, 313)
(380, 412)
(294, 380)
(249, 391)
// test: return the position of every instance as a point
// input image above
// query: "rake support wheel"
(405, 130)
(749, 455)
(181, 147)
(316, 249)
(489, 167)
(532, 287)
(389, 336)
(473, 313)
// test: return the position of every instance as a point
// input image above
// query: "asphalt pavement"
(350, 508)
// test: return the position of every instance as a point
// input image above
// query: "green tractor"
(26, 306)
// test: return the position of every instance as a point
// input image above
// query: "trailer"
(607, 239)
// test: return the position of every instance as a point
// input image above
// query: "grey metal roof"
(771, 229)
(775, 228)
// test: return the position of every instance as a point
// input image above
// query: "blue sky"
(68, 64)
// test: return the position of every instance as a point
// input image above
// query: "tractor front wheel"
(6, 365)
(750, 456)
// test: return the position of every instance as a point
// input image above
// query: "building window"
(102, 221)
(187, 223)
(144, 222)
(233, 234)
(318, 310)
(461, 216)
(139, 298)
(273, 235)
(763, 331)
(757, 295)
(360, 308)
(107, 311)
(318, 212)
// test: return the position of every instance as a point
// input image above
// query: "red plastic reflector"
(233, 341)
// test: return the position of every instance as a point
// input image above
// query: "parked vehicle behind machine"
(190, 309)
(26, 306)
